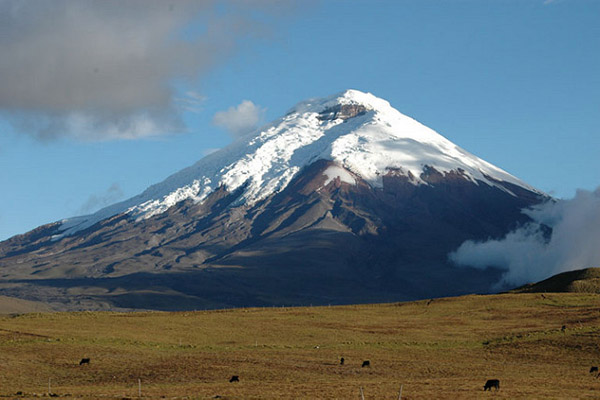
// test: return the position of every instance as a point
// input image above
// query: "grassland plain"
(440, 349)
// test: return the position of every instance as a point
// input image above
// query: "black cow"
(366, 363)
(84, 361)
(593, 369)
(342, 361)
(492, 383)
(234, 378)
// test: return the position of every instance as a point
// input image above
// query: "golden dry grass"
(443, 349)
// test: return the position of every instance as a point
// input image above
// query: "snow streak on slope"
(369, 142)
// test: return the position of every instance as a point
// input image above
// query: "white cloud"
(241, 119)
(528, 254)
(113, 64)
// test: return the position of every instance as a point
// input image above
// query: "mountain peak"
(352, 96)
(357, 131)
(349, 97)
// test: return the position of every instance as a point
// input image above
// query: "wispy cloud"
(96, 201)
(531, 253)
(210, 150)
(191, 102)
(105, 69)
(241, 119)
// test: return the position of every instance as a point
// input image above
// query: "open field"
(440, 349)
(11, 305)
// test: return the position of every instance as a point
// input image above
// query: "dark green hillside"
(579, 281)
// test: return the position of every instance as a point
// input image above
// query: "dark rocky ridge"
(342, 111)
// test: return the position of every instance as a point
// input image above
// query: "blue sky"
(514, 82)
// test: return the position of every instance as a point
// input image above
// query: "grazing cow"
(342, 361)
(564, 328)
(366, 363)
(84, 361)
(234, 378)
(593, 369)
(491, 383)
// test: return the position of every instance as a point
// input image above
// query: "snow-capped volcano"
(341, 200)
(359, 132)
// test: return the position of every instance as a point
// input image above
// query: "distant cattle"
(593, 369)
(342, 361)
(366, 363)
(563, 328)
(234, 378)
(491, 383)
(84, 361)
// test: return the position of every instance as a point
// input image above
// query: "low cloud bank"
(530, 254)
